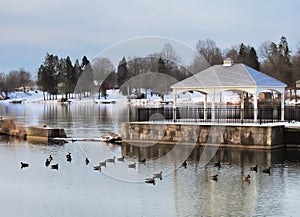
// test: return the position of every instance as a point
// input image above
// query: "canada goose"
(184, 164)
(68, 155)
(143, 160)
(133, 165)
(215, 177)
(158, 175)
(111, 160)
(103, 164)
(87, 161)
(268, 170)
(24, 165)
(150, 181)
(253, 168)
(121, 158)
(54, 166)
(97, 168)
(69, 159)
(50, 158)
(217, 164)
(47, 162)
(246, 178)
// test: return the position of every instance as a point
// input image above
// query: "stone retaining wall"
(264, 137)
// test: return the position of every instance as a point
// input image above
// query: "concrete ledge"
(44, 133)
(252, 137)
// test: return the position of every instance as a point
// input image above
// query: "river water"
(75, 189)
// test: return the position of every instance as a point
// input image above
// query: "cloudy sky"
(31, 28)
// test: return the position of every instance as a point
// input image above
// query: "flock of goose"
(244, 178)
(98, 167)
(150, 180)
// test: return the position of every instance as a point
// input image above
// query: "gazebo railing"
(266, 114)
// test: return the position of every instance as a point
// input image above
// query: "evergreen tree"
(162, 68)
(122, 72)
(86, 81)
(69, 76)
(285, 62)
(253, 59)
(48, 74)
(248, 56)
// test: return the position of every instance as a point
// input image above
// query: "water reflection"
(77, 190)
(195, 194)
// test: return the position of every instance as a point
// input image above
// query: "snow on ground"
(38, 97)
(187, 98)
(152, 99)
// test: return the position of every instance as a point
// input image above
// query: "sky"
(29, 29)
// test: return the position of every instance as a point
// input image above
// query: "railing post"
(174, 114)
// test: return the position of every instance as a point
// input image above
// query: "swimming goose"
(111, 160)
(184, 164)
(69, 159)
(253, 168)
(133, 165)
(246, 178)
(50, 158)
(97, 168)
(158, 175)
(150, 181)
(121, 158)
(215, 177)
(54, 166)
(217, 164)
(268, 170)
(47, 162)
(24, 165)
(143, 160)
(103, 163)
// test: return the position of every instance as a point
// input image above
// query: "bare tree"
(168, 54)
(24, 78)
(209, 50)
(102, 68)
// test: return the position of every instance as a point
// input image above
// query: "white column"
(213, 106)
(205, 106)
(255, 106)
(174, 104)
(242, 104)
(282, 106)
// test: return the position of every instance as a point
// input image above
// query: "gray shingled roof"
(237, 75)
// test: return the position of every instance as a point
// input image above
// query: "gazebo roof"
(236, 76)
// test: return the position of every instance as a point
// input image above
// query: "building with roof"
(239, 78)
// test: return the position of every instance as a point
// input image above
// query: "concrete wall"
(264, 137)
(43, 134)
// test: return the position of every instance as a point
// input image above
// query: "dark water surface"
(75, 189)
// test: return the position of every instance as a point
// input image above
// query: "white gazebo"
(230, 77)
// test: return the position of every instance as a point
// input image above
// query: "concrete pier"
(44, 133)
(236, 136)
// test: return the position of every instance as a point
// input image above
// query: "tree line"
(60, 76)
(276, 59)
(15, 79)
